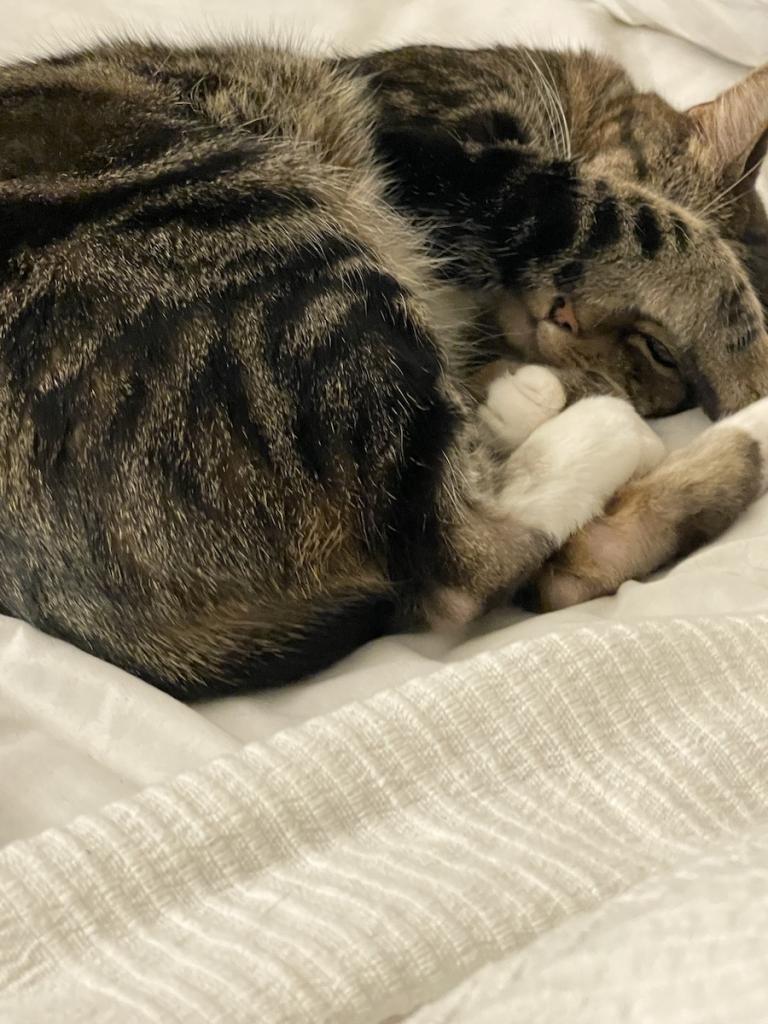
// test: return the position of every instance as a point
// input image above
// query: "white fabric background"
(75, 733)
(734, 28)
(569, 829)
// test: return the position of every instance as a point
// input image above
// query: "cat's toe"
(519, 403)
(542, 386)
(594, 562)
(556, 589)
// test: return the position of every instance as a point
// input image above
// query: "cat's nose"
(563, 314)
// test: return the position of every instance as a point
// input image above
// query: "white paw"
(518, 403)
(753, 420)
(563, 475)
(622, 434)
(651, 448)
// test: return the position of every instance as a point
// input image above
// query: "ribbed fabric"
(572, 829)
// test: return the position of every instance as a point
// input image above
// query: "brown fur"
(242, 291)
(695, 495)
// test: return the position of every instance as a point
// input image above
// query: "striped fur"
(241, 294)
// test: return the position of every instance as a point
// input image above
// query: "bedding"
(569, 829)
(537, 807)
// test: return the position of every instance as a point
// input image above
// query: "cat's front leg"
(691, 498)
(505, 217)
(564, 474)
(500, 526)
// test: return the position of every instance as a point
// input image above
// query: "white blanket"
(573, 829)
(85, 912)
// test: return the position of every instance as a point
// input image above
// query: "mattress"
(76, 734)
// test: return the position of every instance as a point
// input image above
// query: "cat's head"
(706, 159)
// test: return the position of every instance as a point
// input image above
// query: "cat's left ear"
(733, 127)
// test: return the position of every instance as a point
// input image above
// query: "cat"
(272, 335)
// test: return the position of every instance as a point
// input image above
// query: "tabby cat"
(262, 321)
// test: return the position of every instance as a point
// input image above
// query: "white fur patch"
(518, 403)
(562, 476)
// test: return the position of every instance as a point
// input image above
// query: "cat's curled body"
(236, 434)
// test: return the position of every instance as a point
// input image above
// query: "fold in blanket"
(587, 813)
(736, 29)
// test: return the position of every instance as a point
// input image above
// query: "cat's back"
(212, 349)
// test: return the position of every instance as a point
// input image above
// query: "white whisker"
(559, 106)
(542, 94)
(718, 198)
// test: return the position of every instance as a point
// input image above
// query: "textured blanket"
(571, 829)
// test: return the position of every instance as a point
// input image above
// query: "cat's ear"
(733, 127)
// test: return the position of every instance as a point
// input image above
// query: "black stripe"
(184, 82)
(52, 91)
(551, 199)
(226, 207)
(140, 350)
(568, 276)
(313, 374)
(647, 231)
(27, 341)
(705, 392)
(432, 168)
(602, 188)
(628, 140)
(491, 126)
(731, 308)
(173, 458)
(500, 191)
(65, 60)
(76, 129)
(51, 415)
(38, 221)
(746, 339)
(421, 82)
(221, 383)
(304, 273)
(605, 229)
(412, 524)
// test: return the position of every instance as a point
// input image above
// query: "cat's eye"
(658, 351)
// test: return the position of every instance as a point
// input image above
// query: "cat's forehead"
(643, 137)
(644, 116)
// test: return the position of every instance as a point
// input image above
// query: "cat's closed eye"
(659, 352)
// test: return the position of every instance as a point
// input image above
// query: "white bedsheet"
(569, 831)
(76, 733)
(571, 828)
